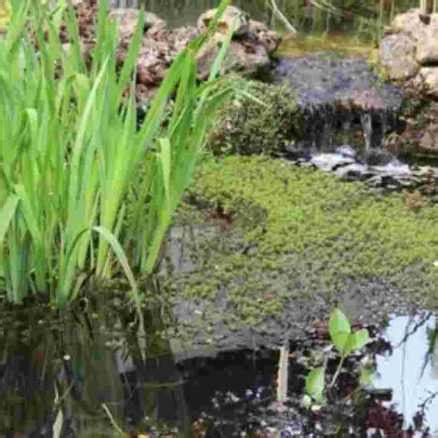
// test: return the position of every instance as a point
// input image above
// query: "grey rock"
(410, 23)
(269, 38)
(126, 19)
(427, 46)
(428, 76)
(239, 58)
(232, 18)
(397, 56)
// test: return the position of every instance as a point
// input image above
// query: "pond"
(86, 374)
(260, 251)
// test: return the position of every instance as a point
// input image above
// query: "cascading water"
(345, 113)
(342, 101)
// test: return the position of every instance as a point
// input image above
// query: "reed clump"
(71, 152)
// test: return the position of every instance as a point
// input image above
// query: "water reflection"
(83, 367)
(81, 363)
(411, 370)
(76, 363)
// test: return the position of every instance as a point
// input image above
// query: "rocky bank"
(249, 54)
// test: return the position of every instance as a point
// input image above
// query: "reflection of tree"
(156, 384)
(26, 385)
(432, 353)
(73, 355)
(131, 388)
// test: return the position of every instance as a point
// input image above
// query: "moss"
(262, 121)
(315, 235)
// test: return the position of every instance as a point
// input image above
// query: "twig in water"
(282, 17)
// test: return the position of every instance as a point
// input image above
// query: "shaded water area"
(88, 373)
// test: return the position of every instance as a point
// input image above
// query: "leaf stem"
(338, 370)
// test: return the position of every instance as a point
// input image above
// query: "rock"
(397, 56)
(248, 54)
(250, 48)
(248, 59)
(269, 38)
(232, 18)
(429, 141)
(425, 172)
(409, 22)
(127, 18)
(428, 76)
(153, 60)
(412, 51)
(159, 48)
(182, 36)
(427, 46)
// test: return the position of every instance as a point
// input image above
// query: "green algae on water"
(297, 233)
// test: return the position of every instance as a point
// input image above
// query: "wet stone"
(336, 97)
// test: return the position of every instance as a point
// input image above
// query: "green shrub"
(261, 122)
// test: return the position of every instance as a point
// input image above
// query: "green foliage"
(70, 151)
(342, 337)
(346, 342)
(315, 384)
(261, 121)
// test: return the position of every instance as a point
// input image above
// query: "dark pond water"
(87, 373)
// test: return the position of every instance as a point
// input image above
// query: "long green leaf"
(7, 212)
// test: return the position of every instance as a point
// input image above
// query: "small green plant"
(346, 342)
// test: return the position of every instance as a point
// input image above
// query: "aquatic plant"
(271, 234)
(346, 342)
(71, 150)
